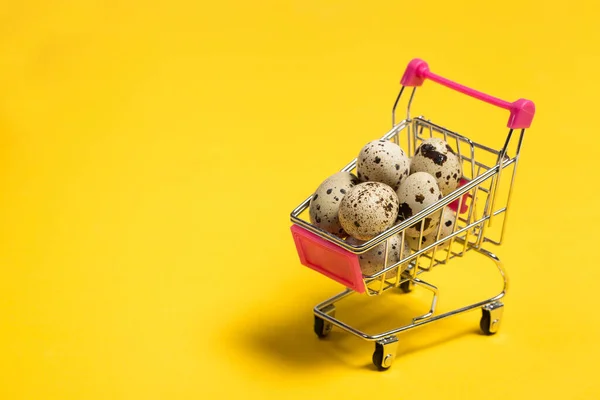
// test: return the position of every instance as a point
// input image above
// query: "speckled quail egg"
(371, 262)
(447, 222)
(368, 209)
(416, 193)
(382, 161)
(326, 200)
(437, 158)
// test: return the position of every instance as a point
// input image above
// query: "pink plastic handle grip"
(521, 111)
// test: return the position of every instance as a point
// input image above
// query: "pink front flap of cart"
(328, 259)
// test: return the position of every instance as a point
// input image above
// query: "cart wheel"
(322, 327)
(491, 316)
(485, 322)
(407, 286)
(378, 357)
(385, 353)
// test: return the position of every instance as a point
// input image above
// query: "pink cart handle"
(521, 111)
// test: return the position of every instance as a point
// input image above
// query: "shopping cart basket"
(481, 200)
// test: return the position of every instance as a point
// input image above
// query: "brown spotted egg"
(382, 161)
(437, 158)
(326, 200)
(371, 262)
(447, 227)
(368, 209)
(417, 192)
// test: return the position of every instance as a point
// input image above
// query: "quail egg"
(416, 193)
(371, 262)
(368, 209)
(383, 161)
(437, 158)
(326, 200)
(447, 222)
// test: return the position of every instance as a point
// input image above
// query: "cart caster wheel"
(385, 353)
(322, 327)
(407, 286)
(491, 315)
(485, 322)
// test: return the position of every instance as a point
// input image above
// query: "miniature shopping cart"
(481, 204)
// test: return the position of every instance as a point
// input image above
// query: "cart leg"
(385, 352)
(407, 286)
(491, 315)
(322, 327)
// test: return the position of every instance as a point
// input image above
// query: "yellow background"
(150, 154)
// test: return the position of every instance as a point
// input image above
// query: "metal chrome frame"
(470, 232)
